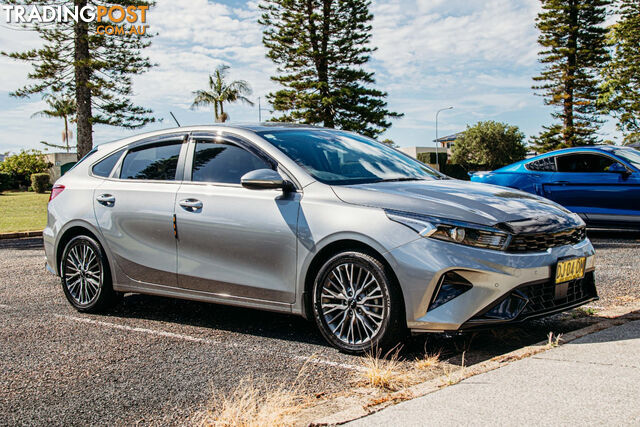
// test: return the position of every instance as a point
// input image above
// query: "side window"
(547, 164)
(155, 162)
(223, 162)
(104, 167)
(584, 162)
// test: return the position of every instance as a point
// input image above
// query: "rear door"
(584, 184)
(233, 241)
(134, 208)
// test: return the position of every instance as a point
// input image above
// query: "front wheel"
(356, 305)
(85, 274)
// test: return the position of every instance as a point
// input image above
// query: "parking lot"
(155, 360)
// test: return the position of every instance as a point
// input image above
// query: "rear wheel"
(356, 305)
(86, 278)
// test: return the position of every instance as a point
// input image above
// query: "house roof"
(448, 138)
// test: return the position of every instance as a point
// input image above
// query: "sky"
(476, 55)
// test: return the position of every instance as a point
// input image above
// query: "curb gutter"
(362, 407)
(20, 235)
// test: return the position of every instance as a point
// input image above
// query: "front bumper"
(496, 277)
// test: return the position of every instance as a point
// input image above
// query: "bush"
(430, 158)
(489, 143)
(40, 182)
(6, 181)
(23, 165)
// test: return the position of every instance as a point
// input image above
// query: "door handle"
(106, 199)
(190, 205)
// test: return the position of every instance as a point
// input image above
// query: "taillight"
(57, 189)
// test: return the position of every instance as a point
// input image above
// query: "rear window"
(156, 162)
(104, 167)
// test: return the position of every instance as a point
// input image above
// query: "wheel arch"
(71, 230)
(337, 246)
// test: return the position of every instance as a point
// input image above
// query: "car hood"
(485, 204)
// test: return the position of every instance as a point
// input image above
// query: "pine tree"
(621, 86)
(574, 52)
(321, 48)
(94, 69)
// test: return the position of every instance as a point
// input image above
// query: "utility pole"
(437, 142)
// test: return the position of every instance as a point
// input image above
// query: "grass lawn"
(24, 211)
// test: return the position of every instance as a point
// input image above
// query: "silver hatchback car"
(328, 224)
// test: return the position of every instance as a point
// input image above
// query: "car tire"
(85, 276)
(357, 305)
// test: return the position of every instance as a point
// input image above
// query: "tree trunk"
(323, 71)
(66, 134)
(215, 111)
(568, 132)
(83, 91)
(221, 119)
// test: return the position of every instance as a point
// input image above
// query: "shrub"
(23, 165)
(6, 181)
(489, 143)
(40, 182)
(430, 158)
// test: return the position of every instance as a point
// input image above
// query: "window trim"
(526, 165)
(230, 139)
(115, 173)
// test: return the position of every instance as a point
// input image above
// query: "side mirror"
(265, 179)
(619, 168)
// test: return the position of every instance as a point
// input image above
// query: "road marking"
(306, 359)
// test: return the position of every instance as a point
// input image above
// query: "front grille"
(537, 299)
(540, 242)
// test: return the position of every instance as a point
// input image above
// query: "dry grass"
(553, 342)
(429, 361)
(249, 405)
(384, 372)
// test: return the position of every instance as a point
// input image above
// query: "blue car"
(600, 183)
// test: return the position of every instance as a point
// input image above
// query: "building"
(448, 141)
(61, 162)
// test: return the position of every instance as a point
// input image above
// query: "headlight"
(463, 233)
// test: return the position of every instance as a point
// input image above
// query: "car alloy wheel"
(355, 304)
(85, 275)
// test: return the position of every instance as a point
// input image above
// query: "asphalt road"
(156, 360)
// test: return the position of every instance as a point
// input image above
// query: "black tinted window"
(156, 162)
(547, 164)
(584, 163)
(224, 163)
(104, 167)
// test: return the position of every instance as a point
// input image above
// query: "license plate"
(570, 269)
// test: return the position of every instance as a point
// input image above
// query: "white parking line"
(307, 359)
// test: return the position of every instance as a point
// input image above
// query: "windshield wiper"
(398, 179)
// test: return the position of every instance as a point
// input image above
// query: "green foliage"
(430, 158)
(489, 143)
(6, 181)
(321, 48)
(573, 53)
(621, 86)
(40, 182)
(93, 69)
(22, 165)
(221, 91)
(389, 142)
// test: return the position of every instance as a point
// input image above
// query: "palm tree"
(220, 92)
(64, 108)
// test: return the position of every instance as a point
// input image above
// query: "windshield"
(341, 158)
(630, 155)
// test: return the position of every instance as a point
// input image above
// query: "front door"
(232, 241)
(134, 211)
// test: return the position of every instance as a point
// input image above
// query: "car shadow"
(466, 348)
(246, 321)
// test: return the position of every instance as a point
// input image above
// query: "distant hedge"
(6, 181)
(431, 158)
(450, 169)
(40, 182)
